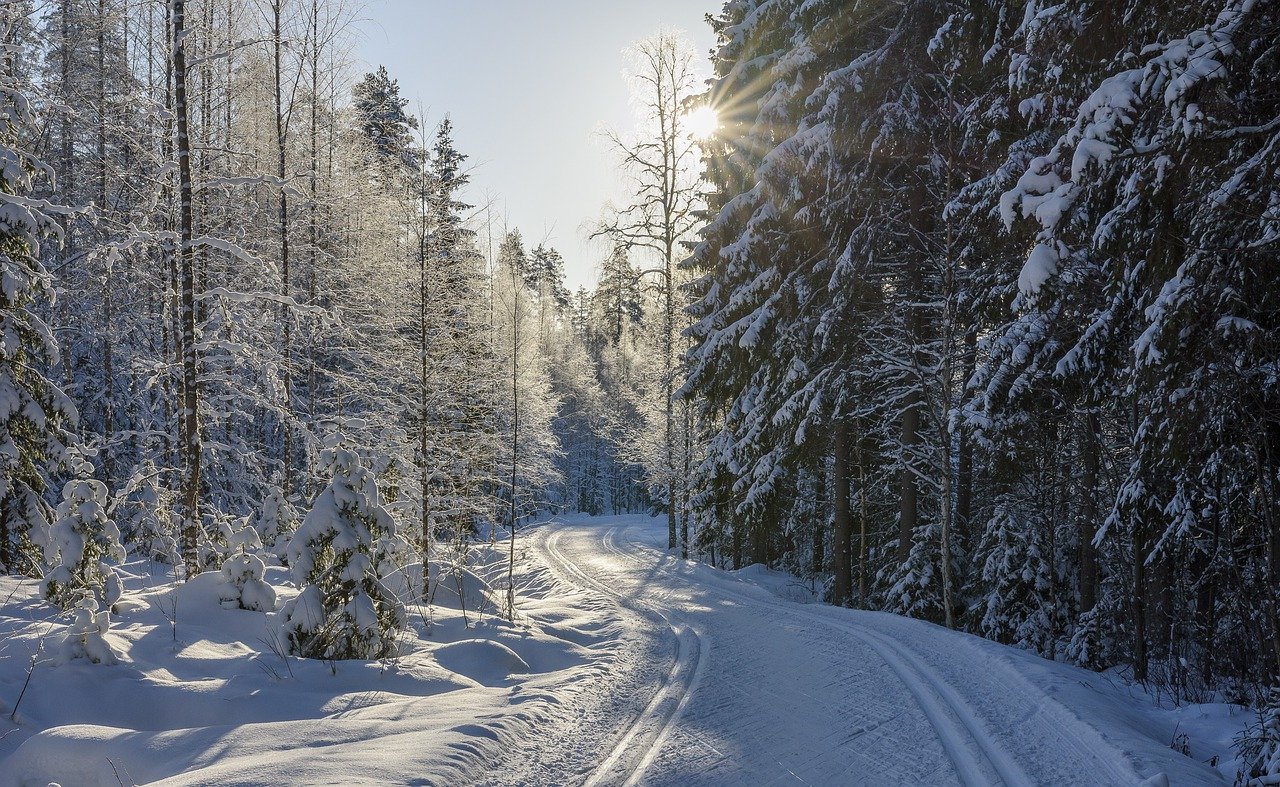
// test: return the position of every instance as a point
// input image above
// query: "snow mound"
(79, 754)
(486, 662)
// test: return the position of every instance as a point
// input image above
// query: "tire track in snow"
(976, 756)
(636, 750)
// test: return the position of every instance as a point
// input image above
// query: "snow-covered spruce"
(151, 528)
(344, 610)
(277, 522)
(242, 584)
(77, 547)
(1259, 746)
(1019, 608)
(33, 410)
(86, 636)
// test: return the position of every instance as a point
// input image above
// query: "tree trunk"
(913, 280)
(819, 545)
(286, 349)
(191, 450)
(1089, 449)
(864, 544)
(964, 450)
(841, 589)
(907, 504)
(1139, 600)
(424, 296)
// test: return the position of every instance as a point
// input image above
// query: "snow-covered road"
(759, 690)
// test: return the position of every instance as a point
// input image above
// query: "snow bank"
(203, 693)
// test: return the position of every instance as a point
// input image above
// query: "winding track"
(632, 755)
(977, 758)
(905, 722)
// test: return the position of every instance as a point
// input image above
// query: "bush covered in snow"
(1259, 746)
(344, 610)
(242, 586)
(153, 526)
(277, 522)
(86, 637)
(78, 544)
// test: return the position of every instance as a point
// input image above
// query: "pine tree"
(77, 547)
(34, 413)
(344, 610)
(380, 112)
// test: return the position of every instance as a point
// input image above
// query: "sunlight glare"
(702, 122)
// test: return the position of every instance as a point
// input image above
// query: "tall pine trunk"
(191, 450)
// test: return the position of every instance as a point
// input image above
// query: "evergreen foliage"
(344, 610)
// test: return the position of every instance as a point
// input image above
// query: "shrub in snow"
(242, 586)
(154, 526)
(344, 610)
(77, 546)
(277, 522)
(1259, 746)
(86, 637)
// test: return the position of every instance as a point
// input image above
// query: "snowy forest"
(967, 312)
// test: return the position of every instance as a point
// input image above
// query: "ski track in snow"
(874, 706)
(632, 755)
(976, 757)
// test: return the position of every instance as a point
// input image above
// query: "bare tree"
(663, 162)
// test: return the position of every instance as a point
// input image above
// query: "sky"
(528, 85)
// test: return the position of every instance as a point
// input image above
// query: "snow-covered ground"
(625, 665)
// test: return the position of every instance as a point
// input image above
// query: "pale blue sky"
(527, 83)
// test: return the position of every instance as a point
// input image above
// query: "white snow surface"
(626, 666)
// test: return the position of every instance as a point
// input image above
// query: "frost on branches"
(344, 610)
(77, 546)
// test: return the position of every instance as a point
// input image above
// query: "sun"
(702, 123)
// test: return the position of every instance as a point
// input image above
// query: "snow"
(213, 701)
(1040, 266)
(624, 663)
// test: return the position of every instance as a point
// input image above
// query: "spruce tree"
(78, 546)
(380, 113)
(344, 611)
(34, 412)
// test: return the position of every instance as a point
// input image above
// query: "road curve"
(761, 690)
